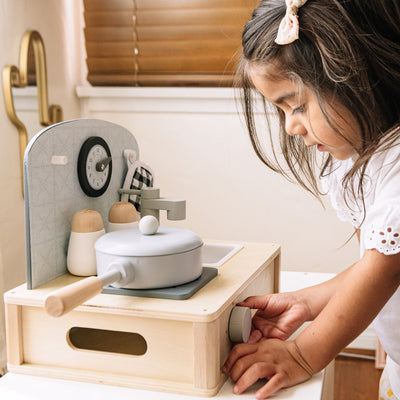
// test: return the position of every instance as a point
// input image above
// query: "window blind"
(164, 42)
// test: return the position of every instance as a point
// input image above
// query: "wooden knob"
(85, 221)
(122, 212)
(239, 324)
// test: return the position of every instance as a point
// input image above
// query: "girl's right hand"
(278, 316)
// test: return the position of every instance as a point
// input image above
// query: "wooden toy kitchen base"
(175, 346)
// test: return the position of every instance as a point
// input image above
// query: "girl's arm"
(369, 284)
(318, 296)
(280, 315)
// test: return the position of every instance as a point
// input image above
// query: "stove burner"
(181, 292)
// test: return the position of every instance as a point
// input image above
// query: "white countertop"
(25, 387)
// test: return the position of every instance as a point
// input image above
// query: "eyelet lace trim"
(385, 241)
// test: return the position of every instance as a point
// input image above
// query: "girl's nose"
(294, 128)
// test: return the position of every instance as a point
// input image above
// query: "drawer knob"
(239, 324)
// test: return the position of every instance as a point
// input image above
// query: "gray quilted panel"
(53, 193)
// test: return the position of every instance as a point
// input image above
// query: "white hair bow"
(288, 30)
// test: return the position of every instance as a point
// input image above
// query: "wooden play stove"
(142, 342)
(148, 343)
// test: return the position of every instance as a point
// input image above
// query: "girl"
(331, 70)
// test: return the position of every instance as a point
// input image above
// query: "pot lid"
(131, 242)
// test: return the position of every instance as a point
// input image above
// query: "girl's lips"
(320, 147)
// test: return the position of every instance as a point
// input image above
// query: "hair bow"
(288, 30)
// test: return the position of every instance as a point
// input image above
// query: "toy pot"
(129, 259)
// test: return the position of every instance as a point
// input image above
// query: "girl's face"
(303, 116)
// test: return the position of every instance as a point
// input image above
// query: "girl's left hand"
(269, 358)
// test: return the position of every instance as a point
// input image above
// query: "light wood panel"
(15, 349)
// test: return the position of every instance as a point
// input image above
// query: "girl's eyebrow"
(285, 97)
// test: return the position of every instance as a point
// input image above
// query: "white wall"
(199, 149)
(53, 19)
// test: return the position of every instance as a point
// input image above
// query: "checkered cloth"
(139, 176)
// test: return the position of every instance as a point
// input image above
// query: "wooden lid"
(85, 221)
(122, 212)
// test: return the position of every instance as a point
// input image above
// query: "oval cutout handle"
(105, 340)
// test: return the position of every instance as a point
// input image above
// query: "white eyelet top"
(379, 230)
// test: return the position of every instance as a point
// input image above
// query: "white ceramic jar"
(86, 228)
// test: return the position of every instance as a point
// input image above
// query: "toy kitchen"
(157, 308)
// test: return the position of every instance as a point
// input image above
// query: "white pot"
(170, 257)
(129, 259)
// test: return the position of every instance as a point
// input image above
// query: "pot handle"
(64, 300)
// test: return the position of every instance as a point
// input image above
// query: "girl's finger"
(255, 336)
(262, 323)
(272, 386)
(239, 351)
(241, 366)
(256, 302)
(258, 370)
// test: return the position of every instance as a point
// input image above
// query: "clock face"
(94, 166)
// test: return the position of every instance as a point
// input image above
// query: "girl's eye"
(298, 109)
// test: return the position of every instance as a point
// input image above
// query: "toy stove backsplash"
(81, 165)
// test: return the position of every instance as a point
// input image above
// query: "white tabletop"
(26, 387)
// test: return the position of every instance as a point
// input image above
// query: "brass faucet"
(18, 78)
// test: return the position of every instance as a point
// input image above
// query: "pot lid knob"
(148, 225)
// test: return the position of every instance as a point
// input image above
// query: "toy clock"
(94, 166)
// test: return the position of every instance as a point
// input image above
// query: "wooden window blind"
(164, 42)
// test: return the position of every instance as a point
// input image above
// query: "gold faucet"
(18, 78)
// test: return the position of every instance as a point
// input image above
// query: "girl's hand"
(278, 315)
(273, 359)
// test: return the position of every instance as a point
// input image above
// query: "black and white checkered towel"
(139, 176)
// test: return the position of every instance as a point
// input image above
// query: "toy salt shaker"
(86, 227)
(122, 215)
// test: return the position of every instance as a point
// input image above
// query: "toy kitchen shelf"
(177, 346)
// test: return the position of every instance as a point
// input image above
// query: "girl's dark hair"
(348, 51)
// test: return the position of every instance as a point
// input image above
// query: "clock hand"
(102, 165)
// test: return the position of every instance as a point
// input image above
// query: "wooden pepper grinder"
(86, 227)
(122, 215)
